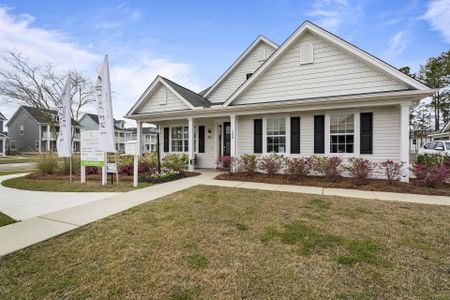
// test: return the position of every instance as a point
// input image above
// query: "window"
(439, 146)
(162, 96)
(341, 133)
(276, 135)
(248, 75)
(21, 129)
(180, 139)
(306, 54)
(12, 145)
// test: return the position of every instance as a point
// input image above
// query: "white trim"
(239, 60)
(307, 26)
(287, 118)
(356, 132)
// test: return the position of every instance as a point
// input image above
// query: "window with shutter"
(166, 139)
(319, 134)
(366, 135)
(201, 139)
(295, 135)
(258, 136)
(306, 53)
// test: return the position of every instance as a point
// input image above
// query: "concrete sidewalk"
(23, 234)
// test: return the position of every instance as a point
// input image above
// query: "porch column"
(40, 138)
(48, 138)
(404, 141)
(139, 136)
(191, 143)
(4, 147)
(233, 135)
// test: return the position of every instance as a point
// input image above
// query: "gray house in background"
(29, 131)
(3, 135)
(122, 135)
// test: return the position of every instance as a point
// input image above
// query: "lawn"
(2, 173)
(18, 159)
(5, 220)
(60, 185)
(213, 242)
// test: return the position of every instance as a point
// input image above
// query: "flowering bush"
(223, 162)
(317, 163)
(175, 162)
(248, 164)
(299, 167)
(431, 175)
(91, 170)
(330, 167)
(392, 170)
(272, 163)
(431, 159)
(360, 169)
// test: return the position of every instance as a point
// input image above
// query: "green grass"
(229, 243)
(2, 173)
(18, 159)
(5, 220)
(60, 185)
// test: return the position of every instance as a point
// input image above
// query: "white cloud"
(331, 14)
(438, 14)
(397, 44)
(131, 73)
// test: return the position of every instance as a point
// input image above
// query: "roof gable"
(250, 60)
(251, 89)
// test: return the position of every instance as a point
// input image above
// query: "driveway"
(17, 166)
(22, 205)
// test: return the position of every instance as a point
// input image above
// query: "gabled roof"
(94, 118)
(2, 117)
(37, 114)
(243, 56)
(190, 98)
(308, 26)
(446, 127)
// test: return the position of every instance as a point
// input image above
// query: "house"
(89, 121)
(3, 135)
(443, 134)
(29, 130)
(315, 94)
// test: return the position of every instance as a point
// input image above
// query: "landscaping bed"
(230, 243)
(343, 182)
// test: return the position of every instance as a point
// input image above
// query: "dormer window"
(248, 75)
(162, 96)
(306, 54)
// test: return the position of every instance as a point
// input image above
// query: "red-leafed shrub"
(91, 170)
(272, 164)
(223, 162)
(331, 167)
(360, 170)
(248, 164)
(143, 168)
(392, 170)
(431, 175)
(299, 168)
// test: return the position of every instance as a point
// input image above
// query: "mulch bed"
(96, 177)
(344, 183)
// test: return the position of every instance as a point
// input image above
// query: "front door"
(226, 138)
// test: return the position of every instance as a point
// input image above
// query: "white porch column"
(191, 143)
(40, 138)
(404, 141)
(139, 136)
(233, 136)
(48, 138)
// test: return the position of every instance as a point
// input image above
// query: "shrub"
(317, 163)
(65, 168)
(329, 166)
(299, 167)
(431, 159)
(392, 170)
(91, 170)
(175, 162)
(431, 175)
(360, 169)
(272, 163)
(223, 162)
(248, 164)
(47, 164)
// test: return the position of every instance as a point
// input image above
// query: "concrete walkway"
(20, 235)
(17, 166)
(23, 205)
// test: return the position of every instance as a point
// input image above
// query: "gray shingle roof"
(39, 116)
(94, 117)
(195, 99)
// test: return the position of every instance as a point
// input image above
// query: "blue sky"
(193, 42)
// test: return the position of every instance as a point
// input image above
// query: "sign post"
(89, 156)
(132, 148)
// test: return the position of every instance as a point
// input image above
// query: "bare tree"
(41, 87)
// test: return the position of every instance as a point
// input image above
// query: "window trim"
(287, 133)
(22, 130)
(11, 143)
(195, 138)
(342, 113)
(356, 132)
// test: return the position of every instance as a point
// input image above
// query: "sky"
(194, 42)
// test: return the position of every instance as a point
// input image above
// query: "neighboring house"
(122, 135)
(443, 134)
(3, 135)
(314, 94)
(29, 131)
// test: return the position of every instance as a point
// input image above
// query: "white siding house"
(315, 94)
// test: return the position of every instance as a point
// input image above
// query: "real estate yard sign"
(89, 154)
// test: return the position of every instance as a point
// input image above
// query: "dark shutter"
(201, 139)
(366, 133)
(319, 134)
(258, 136)
(295, 135)
(166, 139)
